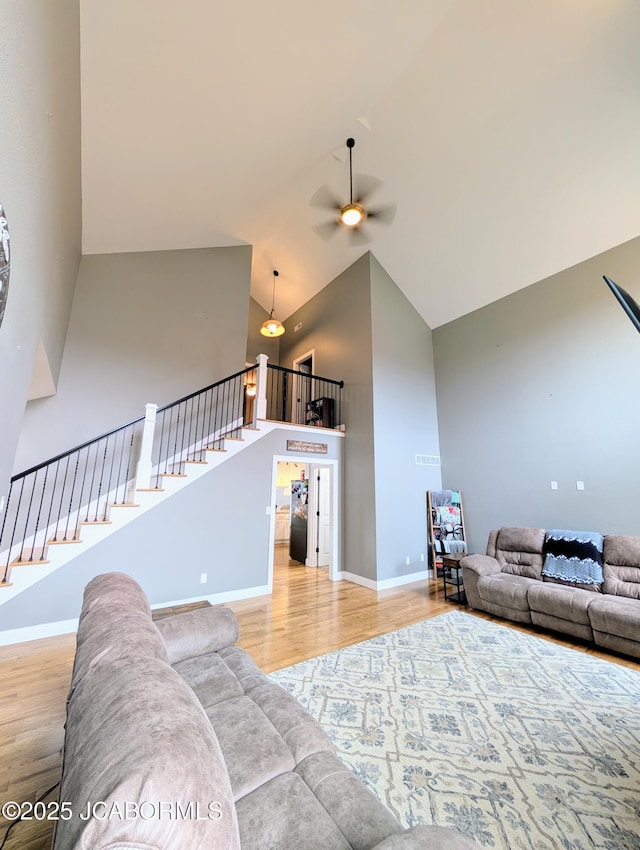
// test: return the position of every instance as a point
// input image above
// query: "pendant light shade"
(272, 327)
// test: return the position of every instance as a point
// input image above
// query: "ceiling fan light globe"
(352, 215)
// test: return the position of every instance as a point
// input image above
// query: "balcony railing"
(302, 398)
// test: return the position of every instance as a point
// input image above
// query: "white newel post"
(261, 395)
(144, 467)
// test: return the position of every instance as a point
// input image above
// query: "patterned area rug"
(510, 739)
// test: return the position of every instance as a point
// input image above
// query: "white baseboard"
(65, 627)
(217, 598)
(45, 630)
(388, 583)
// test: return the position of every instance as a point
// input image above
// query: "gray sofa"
(176, 740)
(508, 582)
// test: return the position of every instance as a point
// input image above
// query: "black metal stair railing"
(187, 428)
(48, 503)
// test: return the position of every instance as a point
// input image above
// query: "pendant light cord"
(273, 297)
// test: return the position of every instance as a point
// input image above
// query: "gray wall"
(217, 524)
(365, 332)
(336, 324)
(40, 191)
(545, 385)
(405, 424)
(145, 327)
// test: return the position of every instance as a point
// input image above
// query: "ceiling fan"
(352, 216)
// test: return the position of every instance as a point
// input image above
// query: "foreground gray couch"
(508, 582)
(176, 740)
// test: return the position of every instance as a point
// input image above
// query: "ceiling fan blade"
(383, 215)
(326, 229)
(358, 236)
(325, 199)
(364, 185)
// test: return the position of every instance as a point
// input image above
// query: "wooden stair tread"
(211, 449)
(27, 563)
(174, 474)
(200, 462)
(149, 489)
(68, 540)
(95, 522)
(124, 505)
(6, 584)
(235, 439)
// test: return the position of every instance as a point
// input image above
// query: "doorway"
(302, 391)
(320, 546)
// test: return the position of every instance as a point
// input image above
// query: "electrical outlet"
(579, 485)
(407, 560)
(1, 504)
(203, 578)
(554, 485)
(422, 556)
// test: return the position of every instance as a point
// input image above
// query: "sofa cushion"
(519, 551)
(301, 733)
(243, 667)
(505, 590)
(356, 811)
(253, 749)
(197, 632)
(618, 615)
(284, 814)
(210, 678)
(135, 733)
(562, 609)
(622, 566)
(561, 602)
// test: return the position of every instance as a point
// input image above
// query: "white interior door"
(301, 389)
(320, 551)
(325, 527)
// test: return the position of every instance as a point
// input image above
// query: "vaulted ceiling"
(506, 131)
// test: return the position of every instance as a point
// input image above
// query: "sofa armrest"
(473, 568)
(427, 838)
(198, 632)
(481, 565)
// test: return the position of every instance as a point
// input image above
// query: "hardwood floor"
(307, 615)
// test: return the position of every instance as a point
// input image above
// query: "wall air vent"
(427, 460)
(297, 327)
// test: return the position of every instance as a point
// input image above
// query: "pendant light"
(352, 214)
(272, 327)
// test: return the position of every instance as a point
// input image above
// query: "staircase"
(62, 507)
(34, 563)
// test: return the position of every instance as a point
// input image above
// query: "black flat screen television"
(627, 303)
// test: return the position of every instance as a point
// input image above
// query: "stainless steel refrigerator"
(298, 537)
